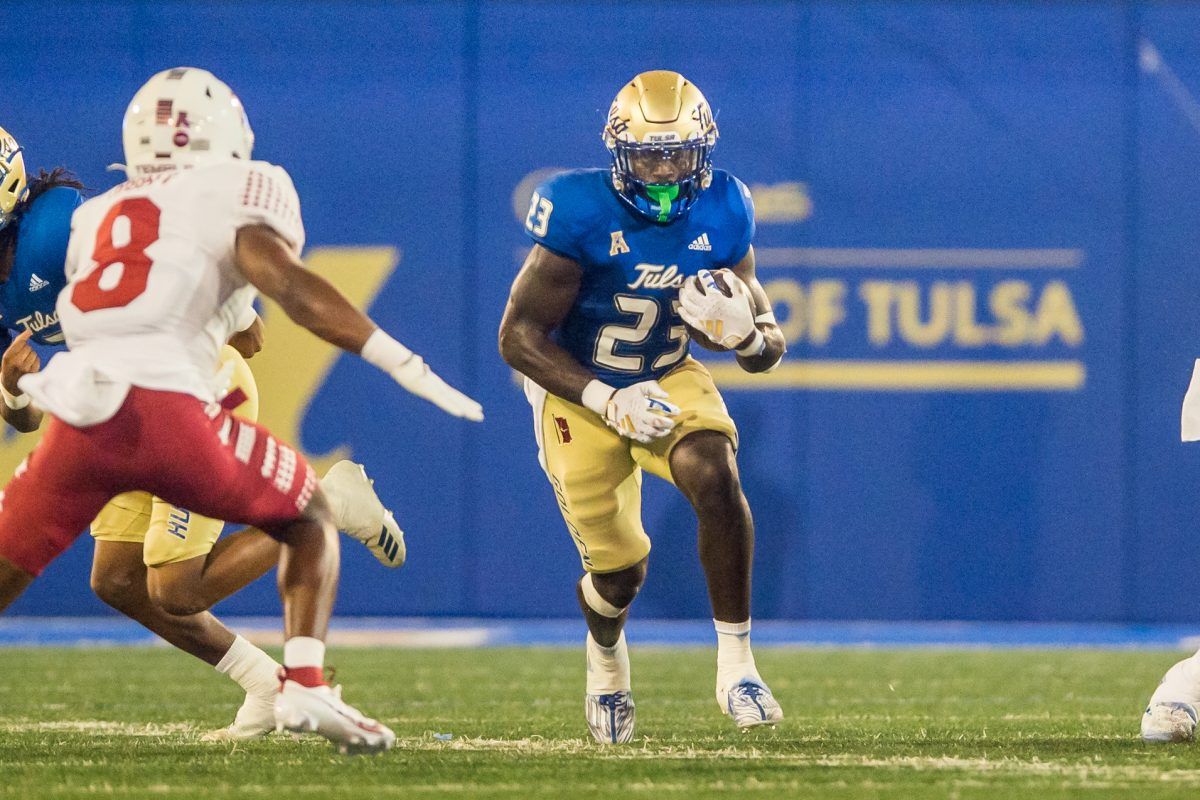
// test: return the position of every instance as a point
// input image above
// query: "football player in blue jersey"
(628, 264)
(145, 546)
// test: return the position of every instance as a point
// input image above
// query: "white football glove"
(641, 412)
(727, 321)
(410, 371)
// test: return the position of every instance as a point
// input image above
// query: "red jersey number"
(121, 271)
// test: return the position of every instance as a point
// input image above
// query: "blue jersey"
(38, 274)
(624, 325)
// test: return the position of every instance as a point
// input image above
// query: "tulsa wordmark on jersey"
(624, 325)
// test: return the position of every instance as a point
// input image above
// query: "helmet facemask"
(662, 181)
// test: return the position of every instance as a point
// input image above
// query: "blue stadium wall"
(979, 222)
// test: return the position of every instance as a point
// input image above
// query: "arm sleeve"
(267, 196)
(550, 221)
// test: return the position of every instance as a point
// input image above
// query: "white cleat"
(254, 719)
(750, 704)
(611, 717)
(320, 710)
(1169, 722)
(358, 512)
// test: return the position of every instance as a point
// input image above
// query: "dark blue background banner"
(978, 222)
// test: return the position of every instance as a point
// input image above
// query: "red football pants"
(193, 455)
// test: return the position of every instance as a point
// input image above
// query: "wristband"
(246, 318)
(766, 318)
(15, 402)
(385, 352)
(755, 346)
(596, 395)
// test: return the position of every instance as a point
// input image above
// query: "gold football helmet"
(14, 183)
(661, 134)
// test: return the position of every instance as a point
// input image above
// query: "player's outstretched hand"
(416, 376)
(719, 305)
(19, 359)
(641, 412)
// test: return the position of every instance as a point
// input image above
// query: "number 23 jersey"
(624, 325)
(153, 290)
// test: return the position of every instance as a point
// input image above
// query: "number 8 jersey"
(624, 325)
(153, 291)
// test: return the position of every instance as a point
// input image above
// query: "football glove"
(416, 376)
(640, 412)
(410, 371)
(727, 320)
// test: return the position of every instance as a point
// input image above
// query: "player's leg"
(704, 468)
(13, 581)
(191, 569)
(699, 458)
(228, 468)
(598, 489)
(119, 579)
(123, 534)
(605, 598)
(49, 502)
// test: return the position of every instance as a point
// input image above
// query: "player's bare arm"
(271, 264)
(19, 359)
(776, 346)
(542, 294)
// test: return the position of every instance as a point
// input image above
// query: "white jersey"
(153, 291)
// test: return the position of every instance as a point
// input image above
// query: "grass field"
(860, 724)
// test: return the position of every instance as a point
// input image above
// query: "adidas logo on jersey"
(700, 243)
(36, 283)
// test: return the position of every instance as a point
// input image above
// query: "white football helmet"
(184, 117)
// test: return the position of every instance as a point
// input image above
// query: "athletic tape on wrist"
(595, 602)
(754, 347)
(596, 395)
(766, 318)
(15, 402)
(382, 351)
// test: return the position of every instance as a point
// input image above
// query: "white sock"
(251, 668)
(735, 662)
(1181, 683)
(303, 651)
(607, 667)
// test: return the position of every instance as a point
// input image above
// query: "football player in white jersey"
(157, 564)
(161, 268)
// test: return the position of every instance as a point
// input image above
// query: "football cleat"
(750, 704)
(611, 717)
(255, 718)
(1169, 722)
(359, 513)
(320, 710)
